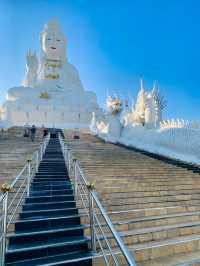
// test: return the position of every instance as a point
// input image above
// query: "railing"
(105, 241)
(13, 195)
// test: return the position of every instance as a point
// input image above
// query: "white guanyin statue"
(52, 93)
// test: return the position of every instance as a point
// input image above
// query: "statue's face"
(54, 45)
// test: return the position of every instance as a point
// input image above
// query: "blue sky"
(113, 43)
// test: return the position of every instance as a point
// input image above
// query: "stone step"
(136, 160)
(180, 259)
(158, 250)
(188, 199)
(139, 206)
(143, 174)
(125, 183)
(106, 195)
(117, 188)
(157, 220)
(121, 172)
(148, 177)
(142, 213)
(129, 206)
(145, 235)
(163, 248)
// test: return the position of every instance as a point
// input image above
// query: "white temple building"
(51, 93)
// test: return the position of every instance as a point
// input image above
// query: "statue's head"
(53, 41)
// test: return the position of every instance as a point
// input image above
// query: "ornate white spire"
(141, 84)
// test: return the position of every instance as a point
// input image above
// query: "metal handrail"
(123, 248)
(13, 195)
(91, 204)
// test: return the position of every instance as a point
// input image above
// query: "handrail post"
(29, 177)
(65, 151)
(90, 188)
(69, 160)
(5, 214)
(75, 176)
(43, 146)
(37, 161)
(41, 152)
(5, 189)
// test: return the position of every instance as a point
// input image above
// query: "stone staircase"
(14, 150)
(48, 230)
(154, 202)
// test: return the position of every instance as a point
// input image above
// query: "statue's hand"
(31, 61)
